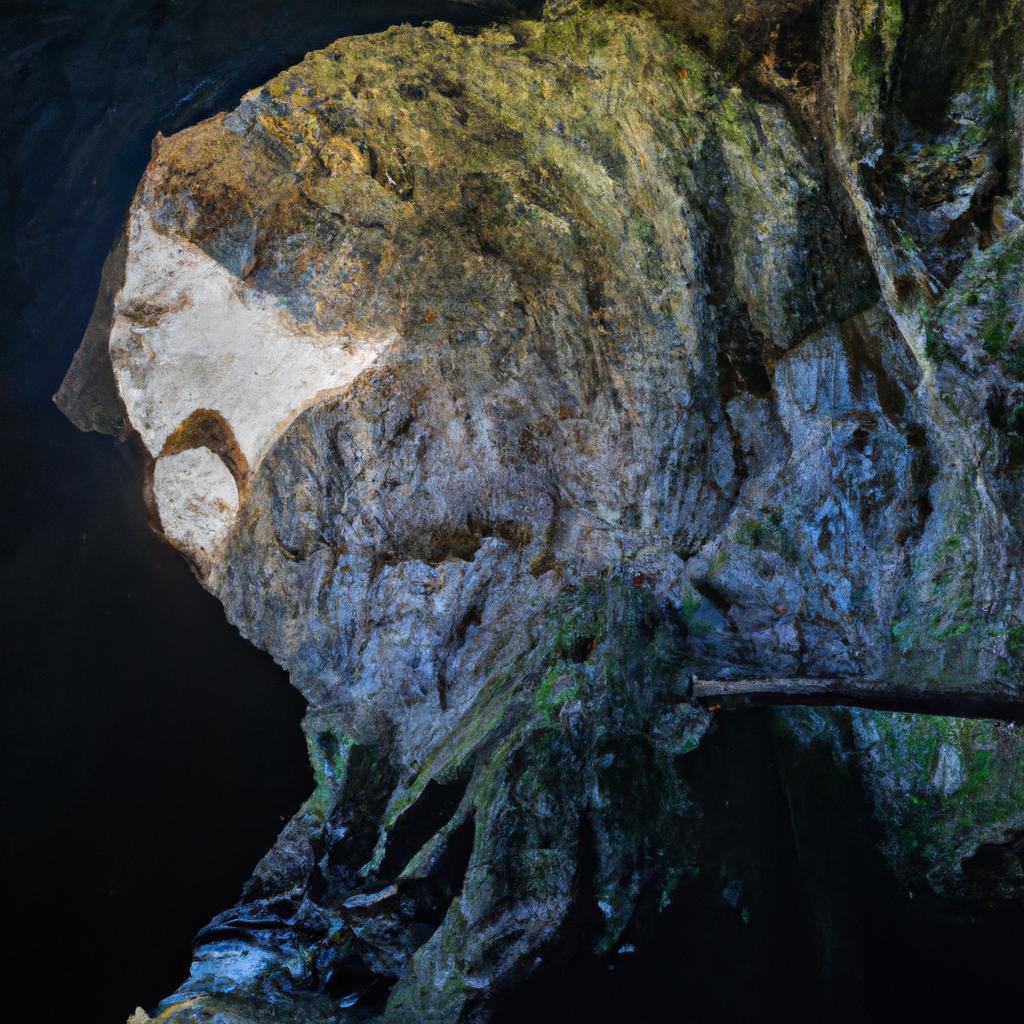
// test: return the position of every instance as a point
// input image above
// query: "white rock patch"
(949, 773)
(197, 500)
(188, 335)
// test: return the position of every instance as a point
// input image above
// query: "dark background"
(150, 754)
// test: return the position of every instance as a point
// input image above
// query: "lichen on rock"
(947, 794)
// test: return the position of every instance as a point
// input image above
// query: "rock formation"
(495, 381)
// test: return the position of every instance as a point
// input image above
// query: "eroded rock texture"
(496, 380)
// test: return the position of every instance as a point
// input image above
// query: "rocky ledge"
(497, 380)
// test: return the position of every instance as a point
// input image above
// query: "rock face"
(494, 381)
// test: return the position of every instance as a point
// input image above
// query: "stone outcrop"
(496, 380)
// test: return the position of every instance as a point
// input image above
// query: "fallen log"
(960, 702)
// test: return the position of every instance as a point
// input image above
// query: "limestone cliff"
(496, 380)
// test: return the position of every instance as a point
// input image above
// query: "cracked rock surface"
(496, 380)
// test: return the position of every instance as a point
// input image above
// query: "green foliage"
(1015, 640)
(881, 23)
(562, 685)
(941, 632)
(943, 825)
(996, 337)
(999, 275)
(935, 346)
(768, 532)
(719, 562)
(868, 68)
(907, 243)
(644, 229)
(329, 751)
(689, 613)
(987, 295)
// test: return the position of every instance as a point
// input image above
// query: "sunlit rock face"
(189, 338)
(495, 381)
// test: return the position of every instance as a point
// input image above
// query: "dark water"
(793, 917)
(149, 753)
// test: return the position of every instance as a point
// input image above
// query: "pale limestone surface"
(189, 335)
(949, 773)
(197, 499)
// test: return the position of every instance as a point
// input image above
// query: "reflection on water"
(793, 915)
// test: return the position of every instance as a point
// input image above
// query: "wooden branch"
(962, 702)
